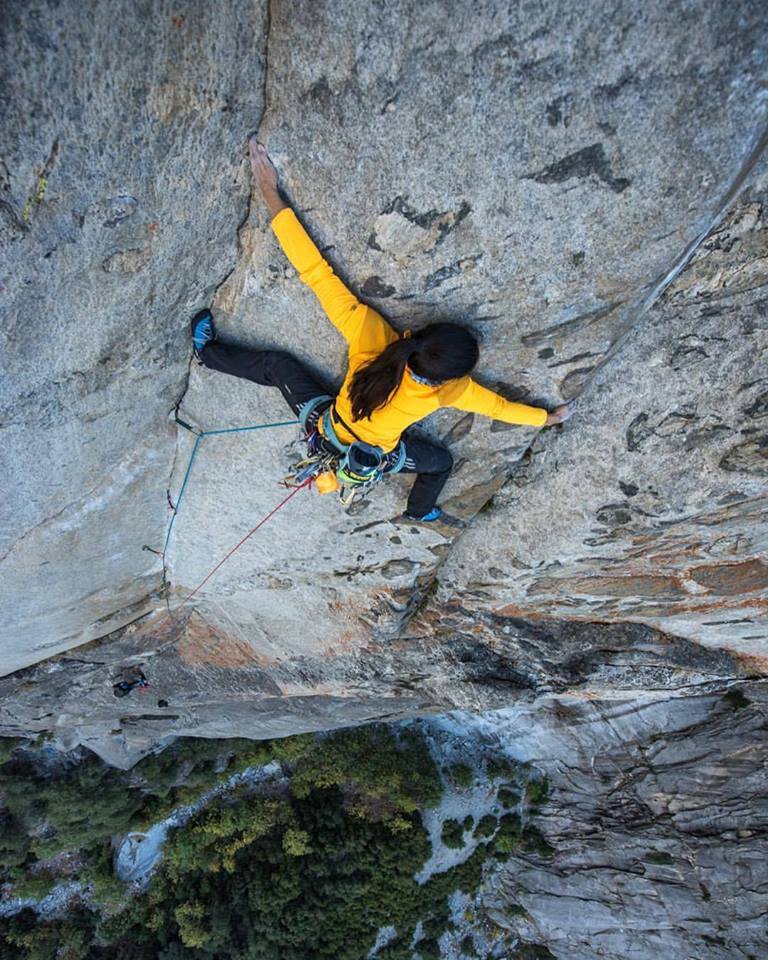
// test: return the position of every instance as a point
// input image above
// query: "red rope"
(261, 523)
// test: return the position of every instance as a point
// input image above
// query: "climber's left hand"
(263, 169)
(265, 176)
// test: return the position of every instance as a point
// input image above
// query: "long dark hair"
(442, 351)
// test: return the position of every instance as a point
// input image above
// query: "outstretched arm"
(477, 399)
(342, 307)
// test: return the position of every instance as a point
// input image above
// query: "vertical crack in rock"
(632, 319)
(265, 84)
(630, 322)
(241, 226)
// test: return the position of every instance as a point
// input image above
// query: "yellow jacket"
(367, 334)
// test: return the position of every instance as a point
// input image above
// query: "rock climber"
(129, 679)
(393, 381)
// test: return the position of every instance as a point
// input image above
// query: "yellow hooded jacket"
(367, 334)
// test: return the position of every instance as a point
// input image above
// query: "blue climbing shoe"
(434, 514)
(441, 522)
(203, 330)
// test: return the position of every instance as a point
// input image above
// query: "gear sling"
(350, 468)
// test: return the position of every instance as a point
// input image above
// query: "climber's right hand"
(559, 414)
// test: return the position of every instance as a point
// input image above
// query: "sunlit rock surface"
(541, 174)
(532, 172)
(651, 506)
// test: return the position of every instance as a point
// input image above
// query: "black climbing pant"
(271, 368)
(298, 385)
(433, 464)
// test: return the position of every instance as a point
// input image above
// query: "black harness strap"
(336, 416)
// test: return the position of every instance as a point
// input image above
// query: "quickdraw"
(317, 462)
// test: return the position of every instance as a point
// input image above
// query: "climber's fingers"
(560, 414)
(255, 148)
(263, 169)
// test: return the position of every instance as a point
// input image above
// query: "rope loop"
(200, 435)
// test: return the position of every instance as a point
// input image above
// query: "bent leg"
(433, 464)
(271, 368)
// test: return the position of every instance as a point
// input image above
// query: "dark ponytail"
(439, 352)
(376, 381)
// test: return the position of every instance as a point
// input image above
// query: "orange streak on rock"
(202, 644)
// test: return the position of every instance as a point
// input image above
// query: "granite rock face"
(657, 816)
(532, 172)
(528, 172)
(122, 180)
(585, 188)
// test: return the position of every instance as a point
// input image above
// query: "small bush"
(7, 747)
(453, 834)
(501, 768)
(296, 843)
(190, 919)
(736, 699)
(515, 910)
(107, 889)
(508, 798)
(533, 842)
(510, 832)
(660, 857)
(461, 775)
(428, 949)
(535, 951)
(397, 950)
(536, 792)
(14, 845)
(487, 826)
(34, 887)
(467, 945)
(434, 925)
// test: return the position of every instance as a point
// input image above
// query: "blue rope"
(181, 492)
(198, 439)
(260, 426)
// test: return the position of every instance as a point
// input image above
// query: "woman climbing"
(392, 382)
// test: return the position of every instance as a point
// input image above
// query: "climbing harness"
(351, 469)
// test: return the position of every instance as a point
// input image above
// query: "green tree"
(306, 873)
